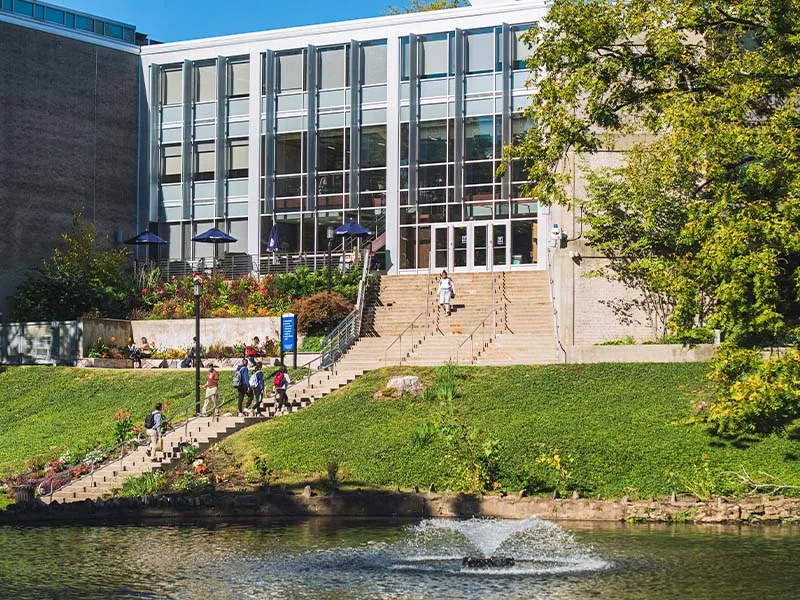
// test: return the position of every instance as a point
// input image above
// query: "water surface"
(338, 559)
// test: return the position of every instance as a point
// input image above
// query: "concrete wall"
(68, 142)
(651, 353)
(591, 308)
(111, 331)
(178, 333)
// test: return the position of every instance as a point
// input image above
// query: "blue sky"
(175, 20)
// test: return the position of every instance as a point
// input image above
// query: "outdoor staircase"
(201, 432)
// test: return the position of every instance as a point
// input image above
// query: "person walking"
(212, 390)
(257, 387)
(153, 426)
(281, 382)
(447, 292)
(241, 382)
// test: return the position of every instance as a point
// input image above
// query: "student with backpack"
(241, 383)
(152, 424)
(280, 382)
(257, 387)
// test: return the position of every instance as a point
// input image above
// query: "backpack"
(254, 380)
(278, 380)
(150, 421)
(237, 377)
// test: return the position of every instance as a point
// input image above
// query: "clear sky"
(175, 20)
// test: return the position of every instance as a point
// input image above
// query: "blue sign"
(288, 332)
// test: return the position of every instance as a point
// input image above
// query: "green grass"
(45, 411)
(620, 423)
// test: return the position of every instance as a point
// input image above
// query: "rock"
(397, 489)
(306, 492)
(503, 494)
(405, 383)
(523, 493)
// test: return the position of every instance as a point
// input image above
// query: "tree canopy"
(703, 212)
(422, 6)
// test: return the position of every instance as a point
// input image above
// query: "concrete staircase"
(201, 432)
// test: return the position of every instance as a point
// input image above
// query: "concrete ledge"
(275, 502)
(641, 353)
(175, 363)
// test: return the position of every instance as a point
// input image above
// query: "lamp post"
(197, 289)
(330, 244)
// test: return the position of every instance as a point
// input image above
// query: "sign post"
(289, 336)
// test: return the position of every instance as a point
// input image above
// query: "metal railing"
(399, 340)
(483, 340)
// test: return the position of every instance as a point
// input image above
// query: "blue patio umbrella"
(273, 242)
(146, 237)
(214, 236)
(352, 229)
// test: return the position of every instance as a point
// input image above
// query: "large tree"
(703, 212)
(423, 6)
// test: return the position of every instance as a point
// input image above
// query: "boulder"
(405, 383)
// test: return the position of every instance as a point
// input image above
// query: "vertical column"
(219, 139)
(254, 165)
(393, 59)
(269, 132)
(154, 154)
(413, 113)
(188, 150)
(311, 128)
(355, 111)
(458, 120)
(505, 189)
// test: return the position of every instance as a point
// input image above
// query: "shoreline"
(390, 505)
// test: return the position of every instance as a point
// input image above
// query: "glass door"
(460, 247)
(500, 245)
(480, 246)
(441, 248)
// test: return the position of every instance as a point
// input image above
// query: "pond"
(339, 559)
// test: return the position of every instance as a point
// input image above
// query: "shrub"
(321, 312)
(311, 343)
(148, 484)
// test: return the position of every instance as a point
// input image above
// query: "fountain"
(493, 546)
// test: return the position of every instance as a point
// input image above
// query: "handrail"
(399, 339)
(471, 336)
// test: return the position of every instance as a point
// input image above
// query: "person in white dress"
(446, 292)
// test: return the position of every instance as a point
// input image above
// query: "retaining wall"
(640, 353)
(178, 333)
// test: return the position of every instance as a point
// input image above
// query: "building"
(398, 122)
(69, 115)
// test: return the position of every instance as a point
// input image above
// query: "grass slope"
(620, 424)
(45, 411)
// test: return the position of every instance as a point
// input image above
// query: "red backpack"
(278, 380)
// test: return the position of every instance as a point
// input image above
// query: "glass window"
(23, 7)
(114, 31)
(480, 51)
(433, 142)
(204, 162)
(408, 247)
(54, 15)
(288, 187)
(519, 126)
(171, 84)
(331, 150)
(332, 68)
(69, 19)
(238, 79)
(84, 23)
(373, 146)
(205, 84)
(98, 27)
(290, 72)
(237, 159)
(289, 153)
(373, 63)
(5, 5)
(38, 11)
(373, 180)
(405, 55)
(478, 138)
(170, 164)
(127, 35)
(476, 173)
(434, 56)
(520, 49)
(433, 176)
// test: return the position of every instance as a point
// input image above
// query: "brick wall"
(68, 142)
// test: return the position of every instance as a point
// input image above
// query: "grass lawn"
(619, 427)
(619, 424)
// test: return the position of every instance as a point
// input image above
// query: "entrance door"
(466, 247)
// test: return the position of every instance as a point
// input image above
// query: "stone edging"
(380, 504)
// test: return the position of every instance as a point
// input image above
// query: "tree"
(703, 213)
(422, 6)
(80, 278)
